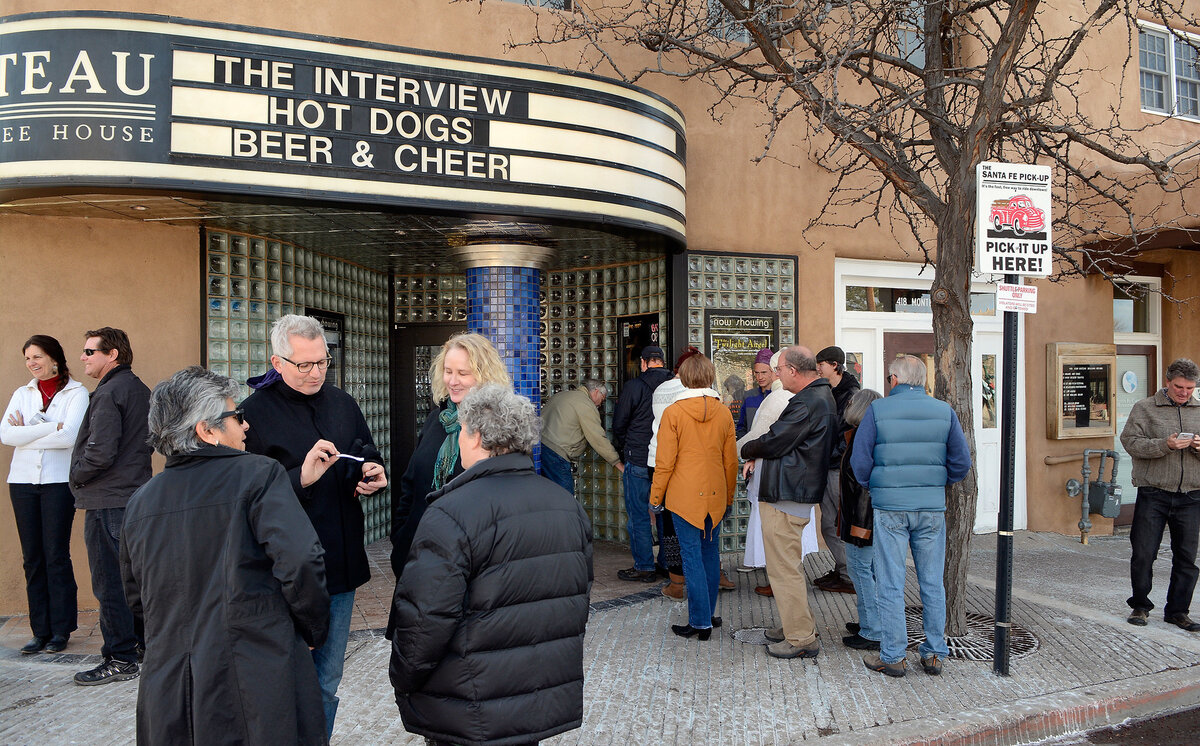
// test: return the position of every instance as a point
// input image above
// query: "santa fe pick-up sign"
(1013, 227)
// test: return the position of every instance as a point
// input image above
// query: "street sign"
(1013, 219)
(1017, 298)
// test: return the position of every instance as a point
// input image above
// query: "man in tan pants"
(795, 453)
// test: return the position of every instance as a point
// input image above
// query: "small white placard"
(1019, 298)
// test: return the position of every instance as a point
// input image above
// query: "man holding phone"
(1160, 436)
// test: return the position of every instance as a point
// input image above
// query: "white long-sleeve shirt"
(43, 454)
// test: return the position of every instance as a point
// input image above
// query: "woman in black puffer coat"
(490, 612)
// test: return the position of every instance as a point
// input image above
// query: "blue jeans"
(1180, 511)
(330, 658)
(701, 569)
(44, 513)
(636, 481)
(860, 564)
(557, 469)
(102, 536)
(895, 533)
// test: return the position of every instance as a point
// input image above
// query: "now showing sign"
(1013, 225)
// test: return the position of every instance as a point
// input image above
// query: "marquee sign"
(133, 101)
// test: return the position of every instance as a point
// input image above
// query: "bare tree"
(910, 96)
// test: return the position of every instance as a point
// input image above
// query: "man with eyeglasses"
(310, 428)
(110, 462)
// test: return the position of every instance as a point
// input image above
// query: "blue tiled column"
(502, 305)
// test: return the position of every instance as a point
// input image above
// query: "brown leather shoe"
(675, 590)
(725, 584)
(838, 585)
(764, 590)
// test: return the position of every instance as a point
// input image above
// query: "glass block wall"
(251, 281)
(740, 283)
(578, 339)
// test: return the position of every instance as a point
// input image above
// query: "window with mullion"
(1187, 79)
(1152, 60)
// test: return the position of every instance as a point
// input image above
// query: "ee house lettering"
(99, 89)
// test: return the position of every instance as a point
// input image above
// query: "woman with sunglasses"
(221, 562)
(41, 422)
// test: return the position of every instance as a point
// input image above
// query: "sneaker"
(745, 568)
(858, 642)
(775, 634)
(725, 584)
(1138, 617)
(108, 671)
(1182, 621)
(785, 649)
(932, 665)
(875, 663)
(141, 653)
(640, 576)
(828, 577)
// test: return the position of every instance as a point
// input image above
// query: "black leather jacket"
(796, 450)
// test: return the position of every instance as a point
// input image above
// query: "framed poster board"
(734, 339)
(1081, 390)
(334, 326)
(637, 332)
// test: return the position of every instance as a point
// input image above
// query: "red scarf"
(48, 388)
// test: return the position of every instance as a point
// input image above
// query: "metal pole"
(1008, 458)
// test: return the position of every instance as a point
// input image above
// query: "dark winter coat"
(226, 571)
(408, 504)
(490, 613)
(111, 458)
(796, 450)
(842, 394)
(284, 425)
(856, 519)
(633, 419)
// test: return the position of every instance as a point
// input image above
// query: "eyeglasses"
(237, 414)
(306, 367)
(89, 352)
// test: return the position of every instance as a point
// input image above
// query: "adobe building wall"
(1075, 311)
(64, 276)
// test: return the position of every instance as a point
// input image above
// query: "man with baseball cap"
(831, 364)
(633, 422)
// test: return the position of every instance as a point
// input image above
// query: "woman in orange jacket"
(695, 475)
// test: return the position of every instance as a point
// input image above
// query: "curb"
(1045, 716)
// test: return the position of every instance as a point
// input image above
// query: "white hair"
(291, 325)
(909, 369)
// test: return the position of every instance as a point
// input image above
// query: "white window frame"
(1171, 37)
(1153, 337)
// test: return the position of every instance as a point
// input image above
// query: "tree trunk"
(952, 327)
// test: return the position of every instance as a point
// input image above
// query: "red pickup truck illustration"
(1017, 213)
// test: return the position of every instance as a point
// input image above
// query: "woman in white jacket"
(41, 421)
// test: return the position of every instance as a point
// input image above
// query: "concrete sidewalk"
(1085, 667)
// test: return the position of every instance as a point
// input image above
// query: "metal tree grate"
(977, 645)
(979, 642)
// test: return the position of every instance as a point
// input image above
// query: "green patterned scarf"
(448, 453)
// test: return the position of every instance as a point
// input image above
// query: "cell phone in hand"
(1186, 436)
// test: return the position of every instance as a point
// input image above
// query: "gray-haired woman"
(491, 609)
(223, 565)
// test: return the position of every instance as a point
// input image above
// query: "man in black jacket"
(795, 453)
(831, 364)
(308, 426)
(633, 423)
(110, 461)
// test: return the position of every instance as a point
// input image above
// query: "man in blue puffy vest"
(908, 447)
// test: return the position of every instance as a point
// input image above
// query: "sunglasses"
(237, 414)
(89, 352)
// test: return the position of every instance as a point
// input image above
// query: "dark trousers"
(1180, 512)
(44, 513)
(102, 534)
